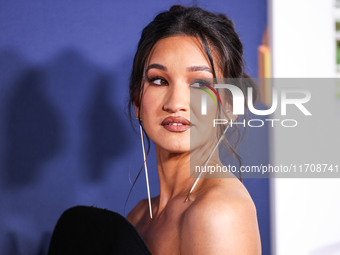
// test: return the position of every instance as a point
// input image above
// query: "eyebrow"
(199, 69)
(156, 66)
(189, 69)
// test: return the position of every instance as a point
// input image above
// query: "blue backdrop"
(65, 137)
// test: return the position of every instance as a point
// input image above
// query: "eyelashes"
(157, 81)
(160, 81)
(199, 83)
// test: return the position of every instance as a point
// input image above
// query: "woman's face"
(175, 66)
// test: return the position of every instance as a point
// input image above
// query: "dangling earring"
(146, 169)
(206, 163)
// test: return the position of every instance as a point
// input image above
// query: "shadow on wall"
(105, 128)
(33, 125)
(11, 244)
(60, 127)
(86, 96)
(32, 133)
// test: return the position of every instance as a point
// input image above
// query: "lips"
(176, 124)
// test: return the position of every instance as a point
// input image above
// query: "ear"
(136, 110)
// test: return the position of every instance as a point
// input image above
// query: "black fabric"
(89, 230)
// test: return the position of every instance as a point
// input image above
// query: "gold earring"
(146, 170)
(206, 163)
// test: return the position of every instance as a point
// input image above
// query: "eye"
(200, 83)
(158, 81)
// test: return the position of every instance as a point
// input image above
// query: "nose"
(177, 98)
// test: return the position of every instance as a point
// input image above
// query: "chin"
(175, 148)
(172, 142)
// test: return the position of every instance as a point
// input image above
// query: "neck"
(174, 174)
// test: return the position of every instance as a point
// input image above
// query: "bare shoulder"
(222, 220)
(137, 212)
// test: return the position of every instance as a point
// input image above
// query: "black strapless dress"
(89, 230)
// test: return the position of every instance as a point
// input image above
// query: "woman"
(180, 51)
(179, 48)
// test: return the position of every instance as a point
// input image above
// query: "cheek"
(150, 102)
(208, 120)
(196, 105)
(196, 111)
